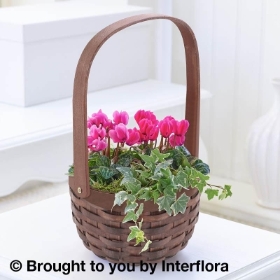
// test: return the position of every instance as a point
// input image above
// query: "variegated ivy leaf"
(163, 165)
(226, 192)
(211, 193)
(180, 205)
(150, 162)
(132, 185)
(181, 180)
(131, 206)
(126, 171)
(140, 237)
(120, 197)
(136, 233)
(145, 193)
(133, 232)
(130, 216)
(146, 247)
(140, 210)
(165, 202)
(159, 156)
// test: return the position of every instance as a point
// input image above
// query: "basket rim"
(105, 200)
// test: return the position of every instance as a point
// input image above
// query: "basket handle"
(80, 182)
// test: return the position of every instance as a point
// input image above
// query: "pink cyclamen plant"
(102, 130)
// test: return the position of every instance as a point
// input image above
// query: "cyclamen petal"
(181, 127)
(133, 137)
(100, 118)
(153, 133)
(176, 140)
(121, 117)
(119, 134)
(98, 145)
(142, 114)
(166, 127)
(96, 132)
(148, 130)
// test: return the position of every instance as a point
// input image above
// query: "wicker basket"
(101, 229)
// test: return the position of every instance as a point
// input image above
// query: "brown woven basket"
(101, 229)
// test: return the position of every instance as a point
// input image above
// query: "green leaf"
(226, 192)
(169, 191)
(166, 173)
(126, 171)
(146, 247)
(162, 165)
(181, 179)
(159, 156)
(106, 172)
(133, 232)
(149, 162)
(140, 210)
(136, 233)
(130, 216)
(103, 161)
(131, 197)
(155, 195)
(144, 174)
(228, 189)
(125, 159)
(131, 206)
(140, 237)
(165, 202)
(140, 224)
(145, 194)
(120, 197)
(70, 171)
(211, 193)
(197, 179)
(184, 150)
(202, 167)
(133, 186)
(178, 158)
(180, 205)
(166, 183)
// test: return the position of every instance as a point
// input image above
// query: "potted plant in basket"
(147, 163)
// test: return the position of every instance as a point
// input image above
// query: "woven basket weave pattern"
(103, 232)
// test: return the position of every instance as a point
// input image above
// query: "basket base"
(103, 232)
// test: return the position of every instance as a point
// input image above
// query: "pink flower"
(133, 137)
(96, 144)
(181, 127)
(96, 132)
(119, 134)
(142, 114)
(121, 117)
(166, 126)
(98, 119)
(148, 130)
(176, 140)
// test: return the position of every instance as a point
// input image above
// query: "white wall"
(239, 47)
(239, 52)
(6, 3)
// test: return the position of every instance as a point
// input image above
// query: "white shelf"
(242, 206)
(20, 125)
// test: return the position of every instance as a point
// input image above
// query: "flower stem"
(215, 186)
(108, 148)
